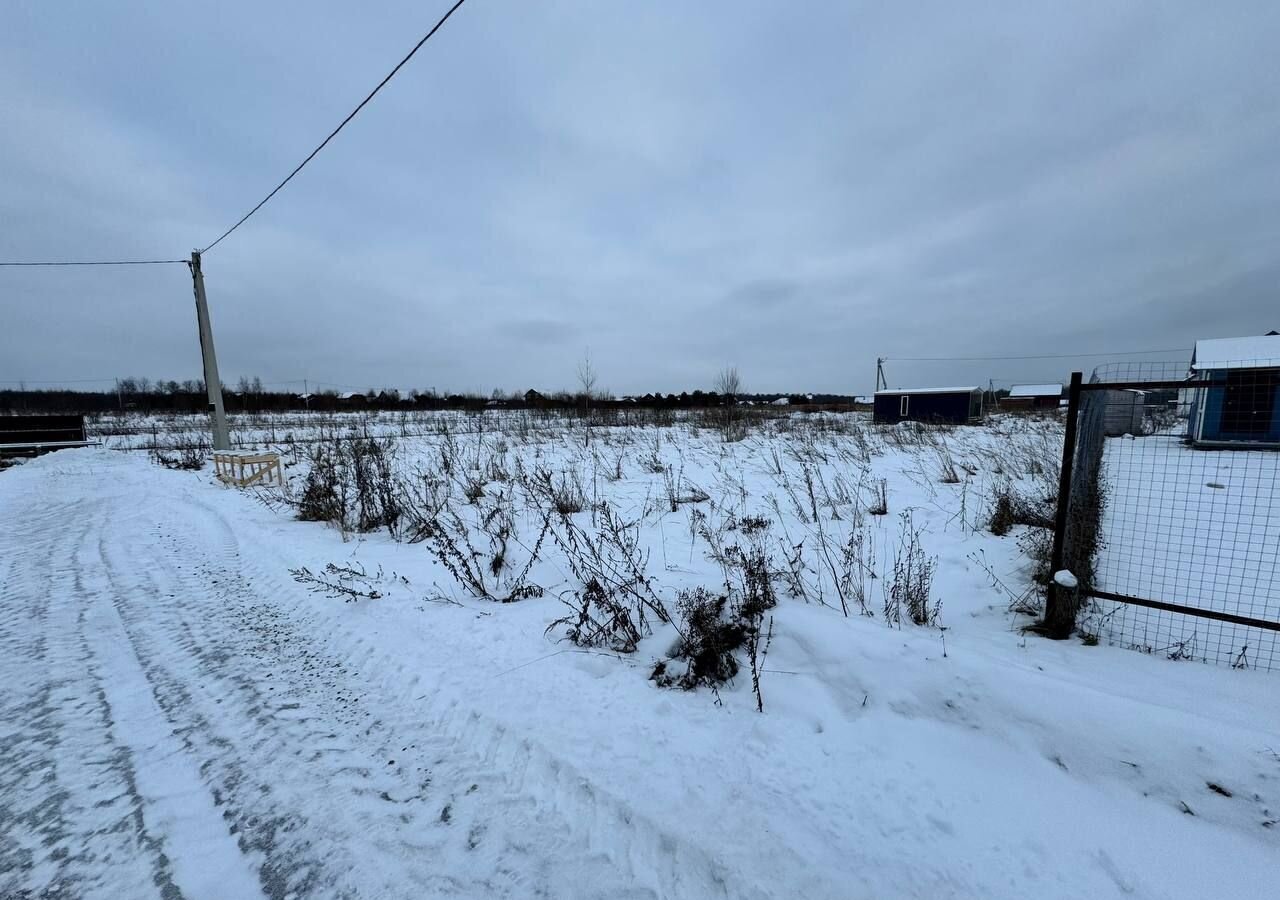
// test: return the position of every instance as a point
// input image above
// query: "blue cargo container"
(955, 405)
(1235, 392)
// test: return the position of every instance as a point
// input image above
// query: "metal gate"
(1171, 526)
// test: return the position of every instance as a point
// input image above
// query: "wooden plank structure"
(243, 468)
(33, 435)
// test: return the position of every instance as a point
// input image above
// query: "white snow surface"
(1259, 351)
(182, 719)
(889, 392)
(1036, 390)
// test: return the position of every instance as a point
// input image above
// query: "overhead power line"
(60, 381)
(1041, 356)
(341, 125)
(100, 262)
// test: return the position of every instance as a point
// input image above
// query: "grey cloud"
(685, 185)
(536, 331)
(762, 294)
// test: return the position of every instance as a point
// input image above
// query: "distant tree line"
(249, 395)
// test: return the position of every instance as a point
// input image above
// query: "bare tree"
(729, 383)
(729, 386)
(587, 375)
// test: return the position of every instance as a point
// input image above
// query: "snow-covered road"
(167, 731)
(180, 719)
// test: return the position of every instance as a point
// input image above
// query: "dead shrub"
(563, 493)
(679, 493)
(613, 606)
(184, 453)
(350, 582)
(322, 498)
(651, 459)
(912, 580)
(947, 467)
(351, 484)
(1010, 508)
(1003, 516)
(708, 643)
(374, 485)
(879, 505)
(856, 568)
(486, 577)
(715, 625)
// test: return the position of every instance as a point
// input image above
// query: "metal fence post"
(1060, 609)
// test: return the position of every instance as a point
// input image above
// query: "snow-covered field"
(134, 430)
(181, 717)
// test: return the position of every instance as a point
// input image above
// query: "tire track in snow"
(537, 825)
(199, 855)
(223, 720)
(32, 814)
(336, 772)
(69, 804)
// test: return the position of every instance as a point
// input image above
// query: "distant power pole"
(881, 383)
(221, 440)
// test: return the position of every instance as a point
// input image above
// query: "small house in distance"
(1241, 407)
(1033, 396)
(956, 405)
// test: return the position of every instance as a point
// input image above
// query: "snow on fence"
(1174, 540)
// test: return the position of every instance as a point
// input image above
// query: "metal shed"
(1236, 393)
(1124, 412)
(1033, 396)
(955, 405)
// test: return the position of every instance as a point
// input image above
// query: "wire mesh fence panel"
(1140, 370)
(1173, 526)
(1177, 636)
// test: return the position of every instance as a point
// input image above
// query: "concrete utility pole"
(221, 440)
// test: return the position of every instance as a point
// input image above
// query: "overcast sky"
(793, 188)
